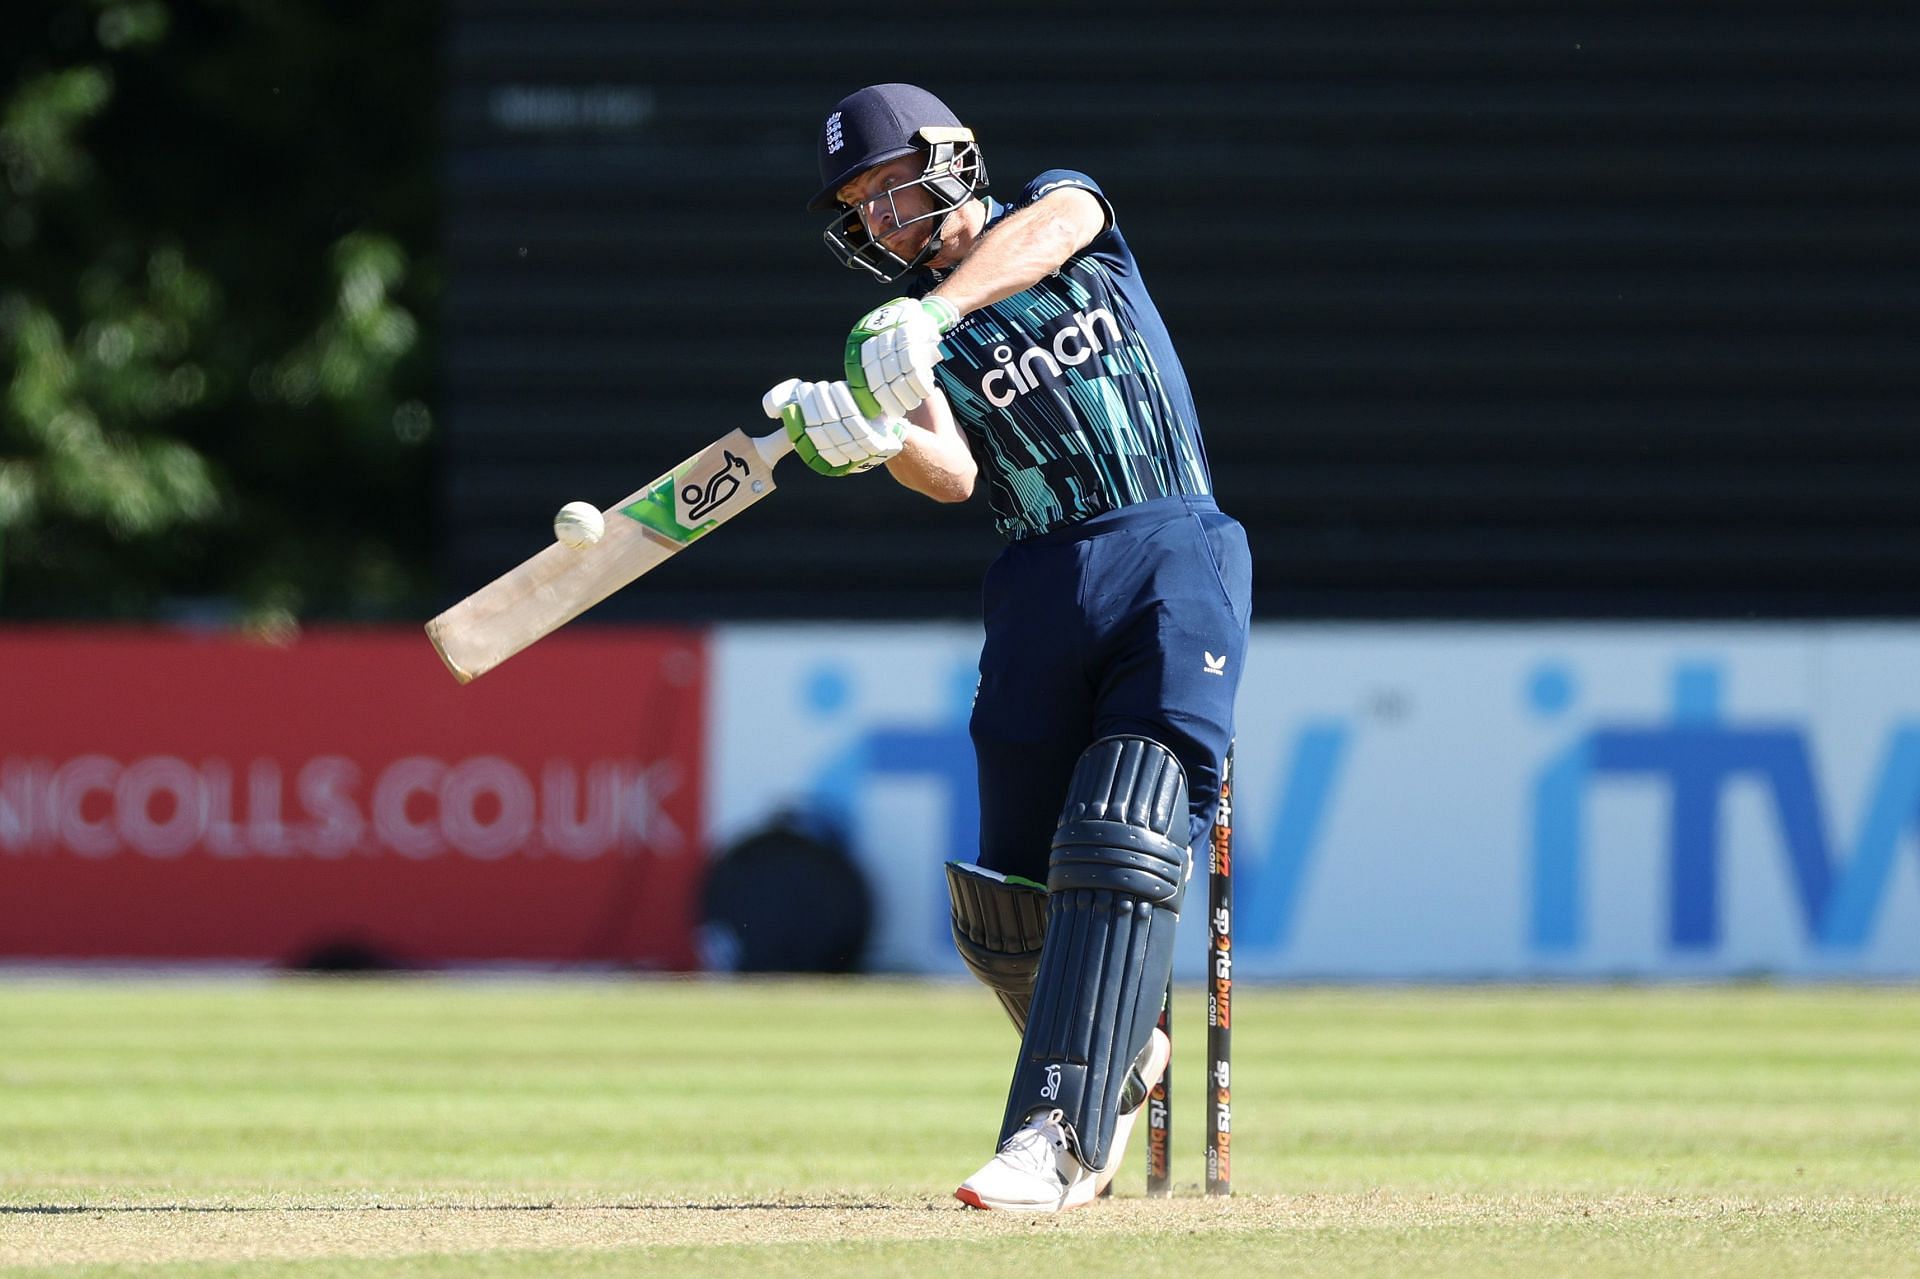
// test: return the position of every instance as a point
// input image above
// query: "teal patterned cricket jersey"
(1069, 392)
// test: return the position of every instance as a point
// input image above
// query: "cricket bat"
(642, 530)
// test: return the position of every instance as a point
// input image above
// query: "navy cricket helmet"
(884, 122)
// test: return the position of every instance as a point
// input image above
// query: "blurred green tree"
(216, 257)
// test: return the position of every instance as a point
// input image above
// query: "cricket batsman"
(1025, 347)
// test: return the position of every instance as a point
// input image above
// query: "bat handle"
(772, 447)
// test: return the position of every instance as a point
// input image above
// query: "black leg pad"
(1115, 881)
(998, 927)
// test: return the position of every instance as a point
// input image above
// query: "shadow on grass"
(13, 1210)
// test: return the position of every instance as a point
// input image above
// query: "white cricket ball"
(579, 524)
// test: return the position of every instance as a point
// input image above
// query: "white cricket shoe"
(1153, 1064)
(1034, 1172)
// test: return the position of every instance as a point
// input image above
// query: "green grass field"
(495, 1128)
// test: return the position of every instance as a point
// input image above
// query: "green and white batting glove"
(892, 351)
(829, 431)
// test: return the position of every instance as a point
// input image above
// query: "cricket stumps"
(1219, 986)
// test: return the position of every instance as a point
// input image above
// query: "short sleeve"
(1054, 179)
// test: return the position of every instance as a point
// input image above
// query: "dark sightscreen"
(1491, 309)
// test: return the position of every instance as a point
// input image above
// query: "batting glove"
(829, 431)
(892, 350)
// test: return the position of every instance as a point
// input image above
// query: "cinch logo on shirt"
(1074, 344)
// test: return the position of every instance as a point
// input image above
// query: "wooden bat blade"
(644, 529)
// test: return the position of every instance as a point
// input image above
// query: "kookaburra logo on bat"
(703, 498)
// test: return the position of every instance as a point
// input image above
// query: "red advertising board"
(176, 796)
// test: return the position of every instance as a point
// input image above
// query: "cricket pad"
(1115, 881)
(999, 926)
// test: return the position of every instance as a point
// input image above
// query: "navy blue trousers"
(1134, 621)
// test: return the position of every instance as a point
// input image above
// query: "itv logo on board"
(1696, 754)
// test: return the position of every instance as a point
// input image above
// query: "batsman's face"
(892, 204)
